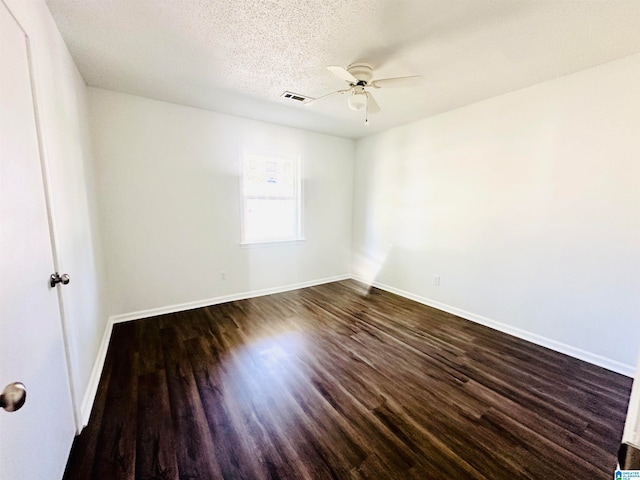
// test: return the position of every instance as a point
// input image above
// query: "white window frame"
(298, 227)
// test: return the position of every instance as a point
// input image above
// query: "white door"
(632, 426)
(35, 440)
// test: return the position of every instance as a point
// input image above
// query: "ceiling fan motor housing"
(363, 73)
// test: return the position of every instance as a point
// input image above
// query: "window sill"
(272, 243)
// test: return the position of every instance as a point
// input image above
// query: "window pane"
(269, 219)
(268, 176)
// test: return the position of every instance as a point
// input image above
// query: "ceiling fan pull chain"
(366, 109)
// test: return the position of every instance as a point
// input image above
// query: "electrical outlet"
(436, 280)
(223, 276)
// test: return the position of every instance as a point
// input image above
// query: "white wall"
(170, 205)
(61, 97)
(528, 207)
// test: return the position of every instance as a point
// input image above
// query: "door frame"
(631, 432)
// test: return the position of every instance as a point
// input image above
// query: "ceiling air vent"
(296, 97)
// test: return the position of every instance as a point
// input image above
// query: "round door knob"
(13, 397)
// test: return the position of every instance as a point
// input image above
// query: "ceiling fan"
(359, 77)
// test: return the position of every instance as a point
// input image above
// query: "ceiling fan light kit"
(357, 100)
(359, 77)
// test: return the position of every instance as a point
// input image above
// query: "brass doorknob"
(13, 397)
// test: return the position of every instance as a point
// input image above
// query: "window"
(270, 198)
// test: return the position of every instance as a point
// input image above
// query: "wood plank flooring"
(334, 382)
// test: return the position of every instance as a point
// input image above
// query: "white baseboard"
(96, 372)
(181, 307)
(608, 363)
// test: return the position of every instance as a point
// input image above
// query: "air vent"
(296, 97)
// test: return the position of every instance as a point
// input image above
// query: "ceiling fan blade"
(312, 101)
(413, 81)
(372, 105)
(343, 74)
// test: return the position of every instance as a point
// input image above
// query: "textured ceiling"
(238, 56)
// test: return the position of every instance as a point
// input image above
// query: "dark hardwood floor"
(329, 383)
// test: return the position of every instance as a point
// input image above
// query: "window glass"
(270, 198)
